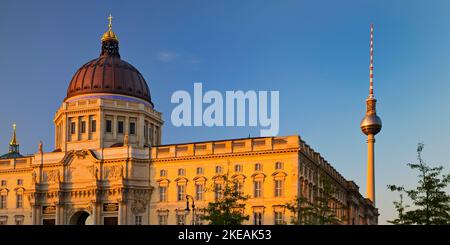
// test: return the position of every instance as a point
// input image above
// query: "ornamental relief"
(113, 172)
(139, 204)
(51, 176)
(81, 154)
(94, 171)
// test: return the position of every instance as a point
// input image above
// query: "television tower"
(370, 126)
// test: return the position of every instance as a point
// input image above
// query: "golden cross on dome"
(110, 21)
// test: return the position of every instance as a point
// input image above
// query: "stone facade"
(125, 184)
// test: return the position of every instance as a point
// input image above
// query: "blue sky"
(316, 53)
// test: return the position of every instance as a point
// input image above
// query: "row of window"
(218, 193)
(18, 220)
(82, 128)
(258, 218)
(19, 182)
(120, 127)
(4, 196)
(218, 169)
(3, 199)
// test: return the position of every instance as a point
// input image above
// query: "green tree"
(324, 213)
(228, 208)
(301, 209)
(400, 207)
(429, 198)
(318, 212)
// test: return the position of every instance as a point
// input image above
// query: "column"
(95, 213)
(121, 220)
(58, 214)
(370, 191)
(36, 214)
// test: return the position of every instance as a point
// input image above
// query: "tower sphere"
(371, 124)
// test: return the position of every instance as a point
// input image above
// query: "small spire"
(371, 63)
(13, 145)
(13, 139)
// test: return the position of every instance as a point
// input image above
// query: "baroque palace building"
(109, 167)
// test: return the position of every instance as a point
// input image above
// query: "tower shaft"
(370, 187)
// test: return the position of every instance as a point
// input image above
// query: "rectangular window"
(20, 182)
(83, 127)
(180, 192)
(237, 168)
(257, 218)
(145, 132)
(278, 188)
(257, 189)
(120, 127)
(218, 169)
(108, 126)
(198, 220)
(19, 222)
(162, 219)
(138, 220)
(279, 219)
(181, 171)
(198, 192)
(3, 220)
(132, 128)
(218, 191)
(181, 219)
(162, 173)
(3, 201)
(93, 126)
(19, 201)
(278, 165)
(239, 187)
(258, 167)
(162, 193)
(4, 182)
(72, 128)
(199, 170)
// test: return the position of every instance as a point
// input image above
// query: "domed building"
(108, 101)
(108, 165)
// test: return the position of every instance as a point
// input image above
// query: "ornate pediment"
(78, 155)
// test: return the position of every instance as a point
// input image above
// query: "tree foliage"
(430, 200)
(229, 208)
(317, 212)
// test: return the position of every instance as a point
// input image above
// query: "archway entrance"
(80, 218)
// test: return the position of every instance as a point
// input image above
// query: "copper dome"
(109, 74)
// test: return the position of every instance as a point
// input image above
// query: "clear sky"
(316, 53)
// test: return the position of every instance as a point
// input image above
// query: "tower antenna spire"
(371, 63)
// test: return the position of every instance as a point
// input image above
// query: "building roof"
(11, 155)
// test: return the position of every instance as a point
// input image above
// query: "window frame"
(108, 126)
(132, 128)
(120, 127)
